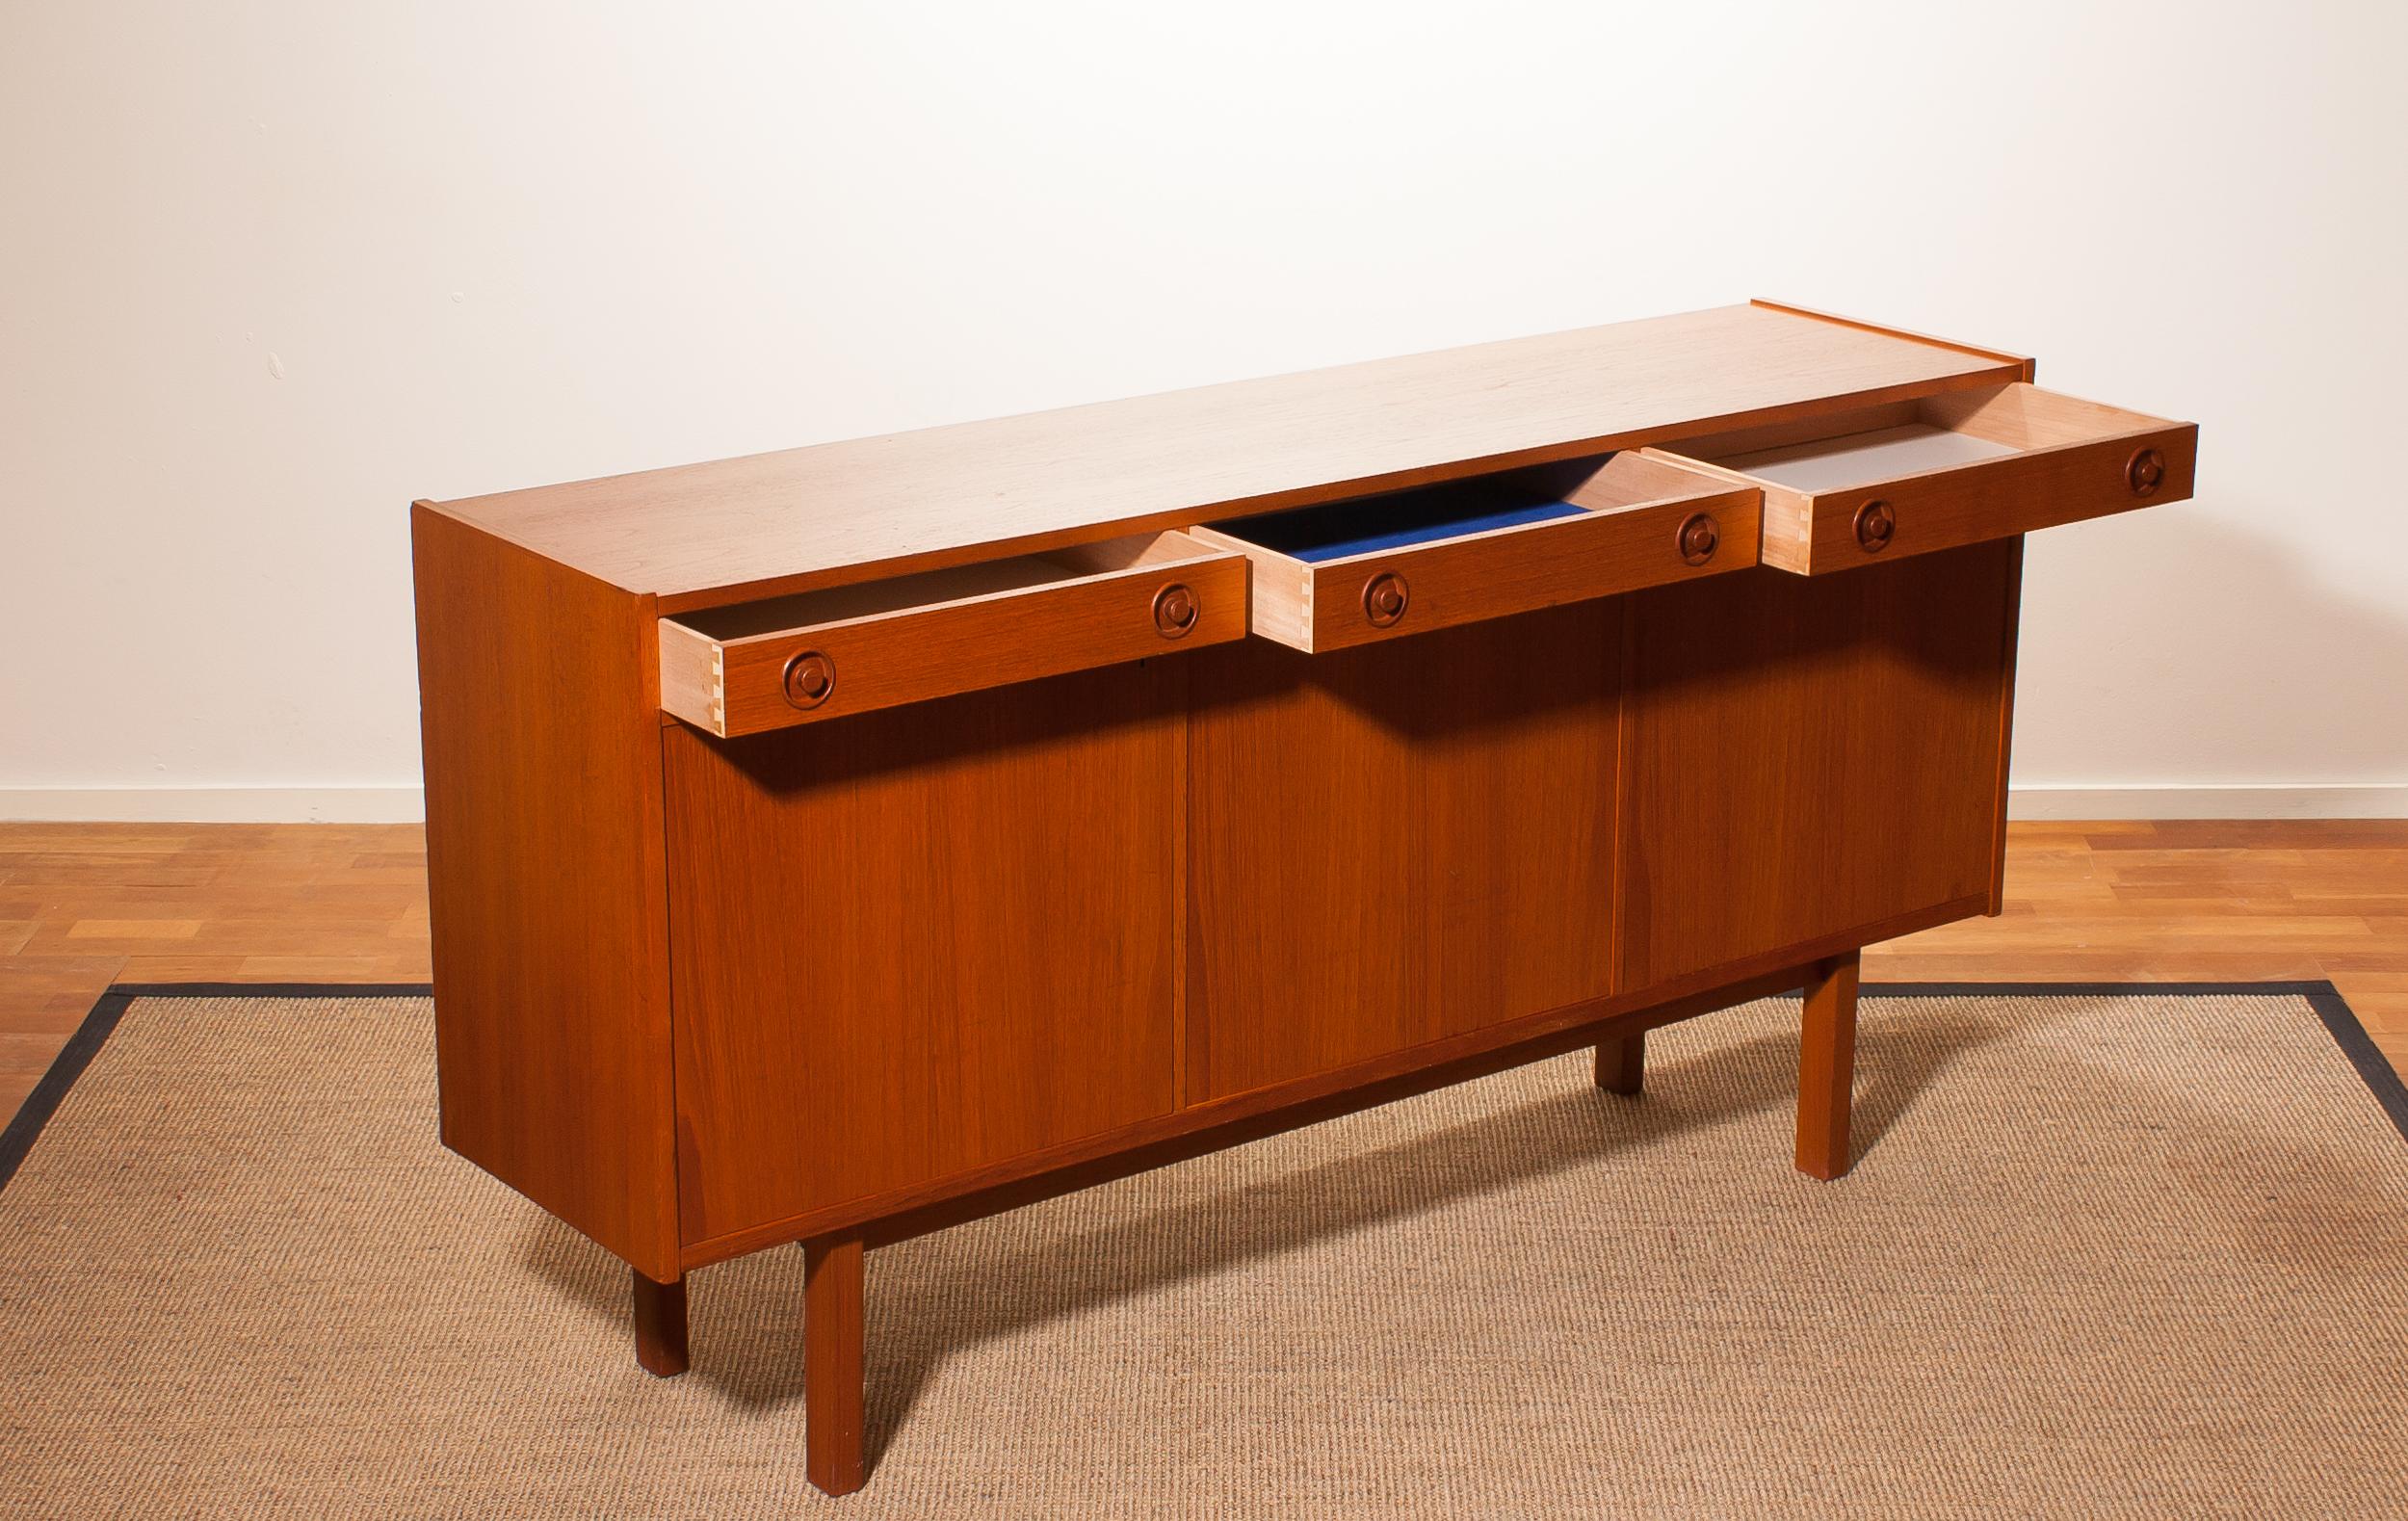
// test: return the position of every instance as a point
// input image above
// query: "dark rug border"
(25, 1127)
(2338, 1019)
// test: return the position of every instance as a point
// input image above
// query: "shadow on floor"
(1219, 1227)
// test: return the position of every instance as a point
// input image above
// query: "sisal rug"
(2104, 1253)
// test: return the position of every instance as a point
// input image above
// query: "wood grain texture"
(831, 1364)
(89, 905)
(44, 999)
(659, 1317)
(1211, 1124)
(1395, 844)
(945, 632)
(2028, 417)
(1250, 1116)
(2002, 356)
(1827, 1067)
(2070, 465)
(735, 530)
(1629, 539)
(1804, 756)
(923, 940)
(2097, 900)
(1622, 1064)
(539, 716)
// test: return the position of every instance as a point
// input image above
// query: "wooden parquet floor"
(83, 906)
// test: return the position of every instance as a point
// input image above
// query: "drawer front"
(1949, 471)
(856, 649)
(1641, 523)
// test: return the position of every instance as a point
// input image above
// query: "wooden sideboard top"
(702, 534)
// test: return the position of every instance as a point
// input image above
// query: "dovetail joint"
(719, 688)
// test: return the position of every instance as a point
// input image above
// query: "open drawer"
(847, 649)
(1350, 572)
(1904, 479)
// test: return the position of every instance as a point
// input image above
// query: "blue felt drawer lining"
(1335, 530)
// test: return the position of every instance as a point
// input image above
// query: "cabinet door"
(1398, 842)
(1812, 758)
(908, 943)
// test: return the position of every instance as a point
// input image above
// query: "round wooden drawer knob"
(1175, 611)
(1699, 537)
(1875, 526)
(810, 677)
(1385, 597)
(2146, 472)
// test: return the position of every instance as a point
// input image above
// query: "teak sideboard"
(834, 845)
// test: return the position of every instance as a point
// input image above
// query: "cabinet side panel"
(1397, 843)
(1808, 757)
(541, 736)
(920, 941)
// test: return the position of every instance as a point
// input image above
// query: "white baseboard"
(2237, 801)
(407, 804)
(216, 804)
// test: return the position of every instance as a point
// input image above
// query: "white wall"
(269, 271)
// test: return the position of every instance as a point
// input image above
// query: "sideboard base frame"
(833, 1261)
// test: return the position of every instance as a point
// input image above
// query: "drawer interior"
(809, 610)
(1850, 460)
(1365, 525)
(1370, 525)
(1841, 450)
(1935, 472)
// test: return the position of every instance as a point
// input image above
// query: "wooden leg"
(1827, 1067)
(831, 1363)
(660, 1326)
(1622, 1063)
